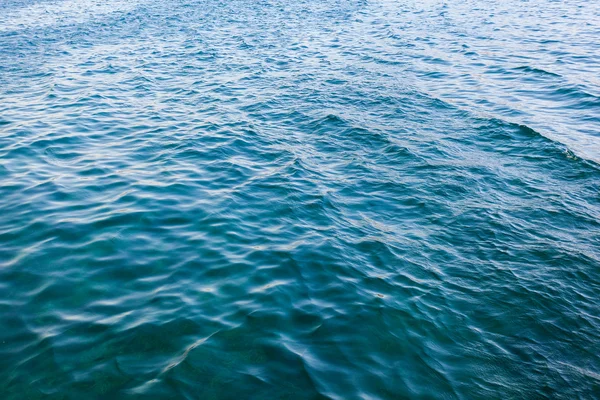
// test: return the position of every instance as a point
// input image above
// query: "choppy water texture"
(324, 199)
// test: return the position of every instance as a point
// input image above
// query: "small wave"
(534, 70)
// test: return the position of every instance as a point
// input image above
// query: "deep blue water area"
(310, 199)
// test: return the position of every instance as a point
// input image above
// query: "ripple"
(312, 199)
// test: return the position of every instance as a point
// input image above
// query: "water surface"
(205, 199)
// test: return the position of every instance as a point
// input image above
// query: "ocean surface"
(299, 199)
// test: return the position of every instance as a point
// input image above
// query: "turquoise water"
(325, 199)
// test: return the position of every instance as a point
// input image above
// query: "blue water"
(277, 199)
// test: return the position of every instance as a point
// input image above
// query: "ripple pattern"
(325, 199)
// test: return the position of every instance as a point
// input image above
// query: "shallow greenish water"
(299, 199)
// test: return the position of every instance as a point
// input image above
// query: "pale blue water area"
(299, 199)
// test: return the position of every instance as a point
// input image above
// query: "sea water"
(309, 199)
